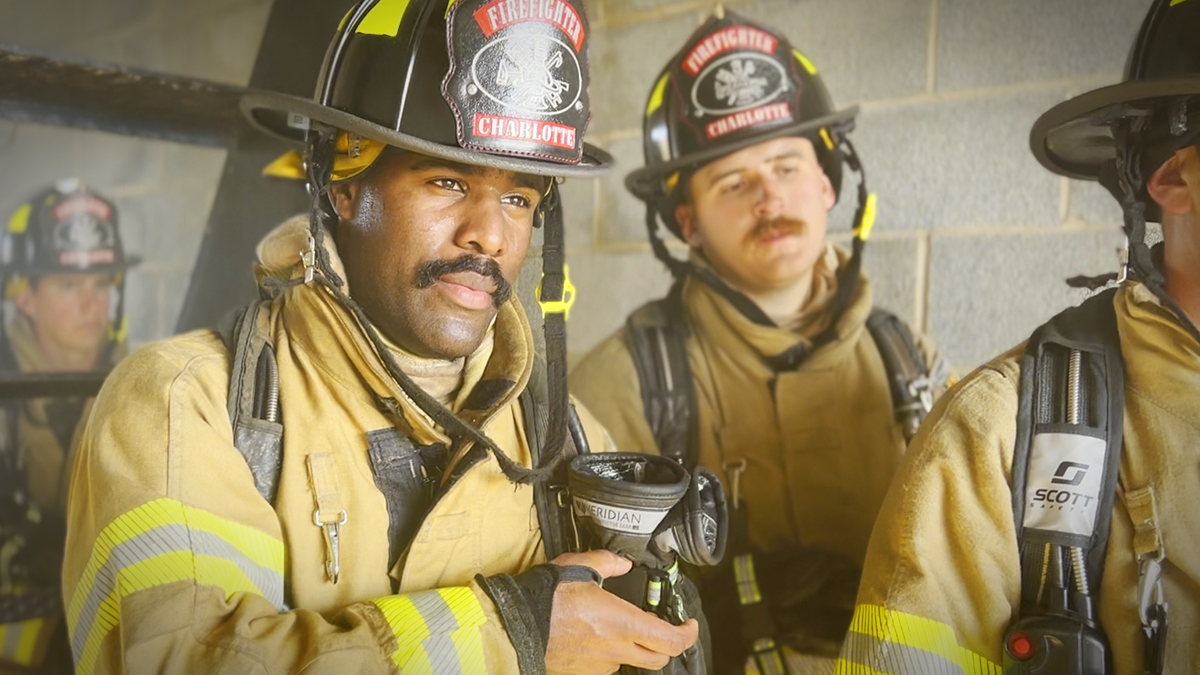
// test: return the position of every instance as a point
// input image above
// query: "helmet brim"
(129, 262)
(1075, 138)
(644, 182)
(270, 112)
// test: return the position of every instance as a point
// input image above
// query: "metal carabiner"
(1153, 612)
(332, 532)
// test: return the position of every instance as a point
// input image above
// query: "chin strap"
(319, 270)
(847, 277)
(1136, 258)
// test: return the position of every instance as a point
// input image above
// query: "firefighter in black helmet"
(745, 155)
(62, 266)
(360, 472)
(1045, 522)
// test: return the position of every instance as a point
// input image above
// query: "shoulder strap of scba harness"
(657, 333)
(1065, 470)
(254, 412)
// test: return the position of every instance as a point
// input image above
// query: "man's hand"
(593, 632)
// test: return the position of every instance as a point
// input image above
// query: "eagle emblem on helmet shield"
(531, 73)
(737, 85)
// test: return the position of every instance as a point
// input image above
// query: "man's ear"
(828, 194)
(344, 196)
(26, 302)
(685, 215)
(1167, 186)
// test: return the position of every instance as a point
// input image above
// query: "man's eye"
(519, 201)
(448, 184)
(732, 187)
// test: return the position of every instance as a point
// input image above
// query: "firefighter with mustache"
(767, 362)
(356, 474)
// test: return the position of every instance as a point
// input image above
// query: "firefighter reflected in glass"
(63, 268)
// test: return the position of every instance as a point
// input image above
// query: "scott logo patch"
(1063, 488)
(518, 74)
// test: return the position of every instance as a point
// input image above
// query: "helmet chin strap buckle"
(1178, 117)
(1123, 259)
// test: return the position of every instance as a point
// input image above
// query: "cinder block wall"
(973, 237)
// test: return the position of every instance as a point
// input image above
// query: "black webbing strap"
(656, 335)
(1090, 330)
(547, 404)
(908, 375)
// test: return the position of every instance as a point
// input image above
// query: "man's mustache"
(771, 226)
(431, 271)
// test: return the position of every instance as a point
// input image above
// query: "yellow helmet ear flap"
(353, 155)
(15, 286)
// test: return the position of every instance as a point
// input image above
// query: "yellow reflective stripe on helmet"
(160, 543)
(383, 19)
(808, 65)
(885, 641)
(827, 138)
(656, 94)
(118, 334)
(19, 640)
(436, 631)
(19, 221)
(1177, 2)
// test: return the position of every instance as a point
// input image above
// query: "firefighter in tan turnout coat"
(342, 479)
(767, 363)
(62, 266)
(1045, 519)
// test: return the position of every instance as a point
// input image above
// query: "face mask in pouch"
(650, 510)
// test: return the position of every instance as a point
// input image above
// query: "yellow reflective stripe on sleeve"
(164, 542)
(18, 641)
(383, 19)
(437, 631)
(885, 641)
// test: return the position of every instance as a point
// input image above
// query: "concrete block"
(166, 226)
(1092, 203)
(625, 60)
(111, 161)
(618, 10)
(579, 206)
(33, 157)
(114, 16)
(956, 163)
(982, 43)
(171, 294)
(220, 47)
(39, 26)
(142, 307)
(891, 267)
(622, 217)
(863, 49)
(988, 292)
(191, 164)
(611, 285)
